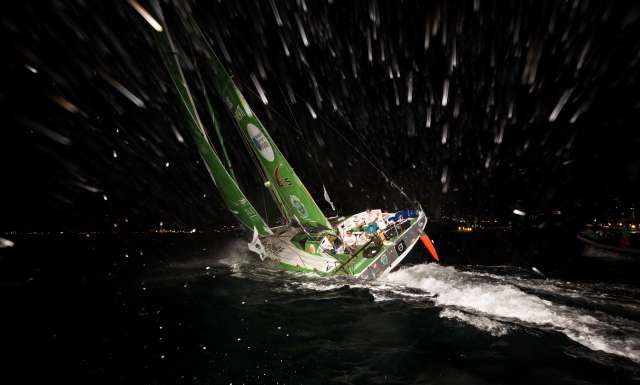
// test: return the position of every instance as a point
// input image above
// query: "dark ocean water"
(194, 309)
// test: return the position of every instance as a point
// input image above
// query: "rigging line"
(315, 164)
(214, 120)
(295, 125)
(302, 227)
(264, 205)
(262, 173)
(276, 197)
(185, 95)
(363, 144)
(384, 173)
(253, 156)
(287, 123)
(378, 167)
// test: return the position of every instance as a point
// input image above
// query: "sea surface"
(183, 309)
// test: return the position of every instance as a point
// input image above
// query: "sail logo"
(297, 204)
(282, 182)
(261, 142)
(400, 247)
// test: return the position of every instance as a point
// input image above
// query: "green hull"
(370, 262)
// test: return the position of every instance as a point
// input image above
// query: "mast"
(231, 194)
(214, 121)
(293, 195)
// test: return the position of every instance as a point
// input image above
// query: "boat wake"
(495, 303)
(597, 316)
(231, 253)
(601, 317)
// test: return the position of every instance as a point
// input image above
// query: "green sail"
(293, 195)
(231, 194)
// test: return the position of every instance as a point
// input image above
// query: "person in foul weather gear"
(370, 216)
(349, 240)
(382, 223)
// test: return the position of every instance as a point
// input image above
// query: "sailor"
(339, 246)
(382, 224)
(370, 216)
(349, 240)
(326, 245)
(371, 228)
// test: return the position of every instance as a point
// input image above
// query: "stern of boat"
(392, 254)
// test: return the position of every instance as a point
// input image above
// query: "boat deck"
(380, 253)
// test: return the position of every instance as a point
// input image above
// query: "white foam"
(4, 243)
(234, 253)
(484, 301)
(492, 303)
(320, 286)
(495, 328)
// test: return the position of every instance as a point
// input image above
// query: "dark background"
(92, 137)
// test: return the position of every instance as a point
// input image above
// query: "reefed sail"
(224, 182)
(294, 198)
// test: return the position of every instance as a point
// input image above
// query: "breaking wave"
(491, 304)
(601, 318)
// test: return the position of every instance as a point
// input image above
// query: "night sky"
(475, 107)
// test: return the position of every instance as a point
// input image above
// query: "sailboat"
(366, 245)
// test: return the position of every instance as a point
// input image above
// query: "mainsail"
(294, 198)
(225, 183)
